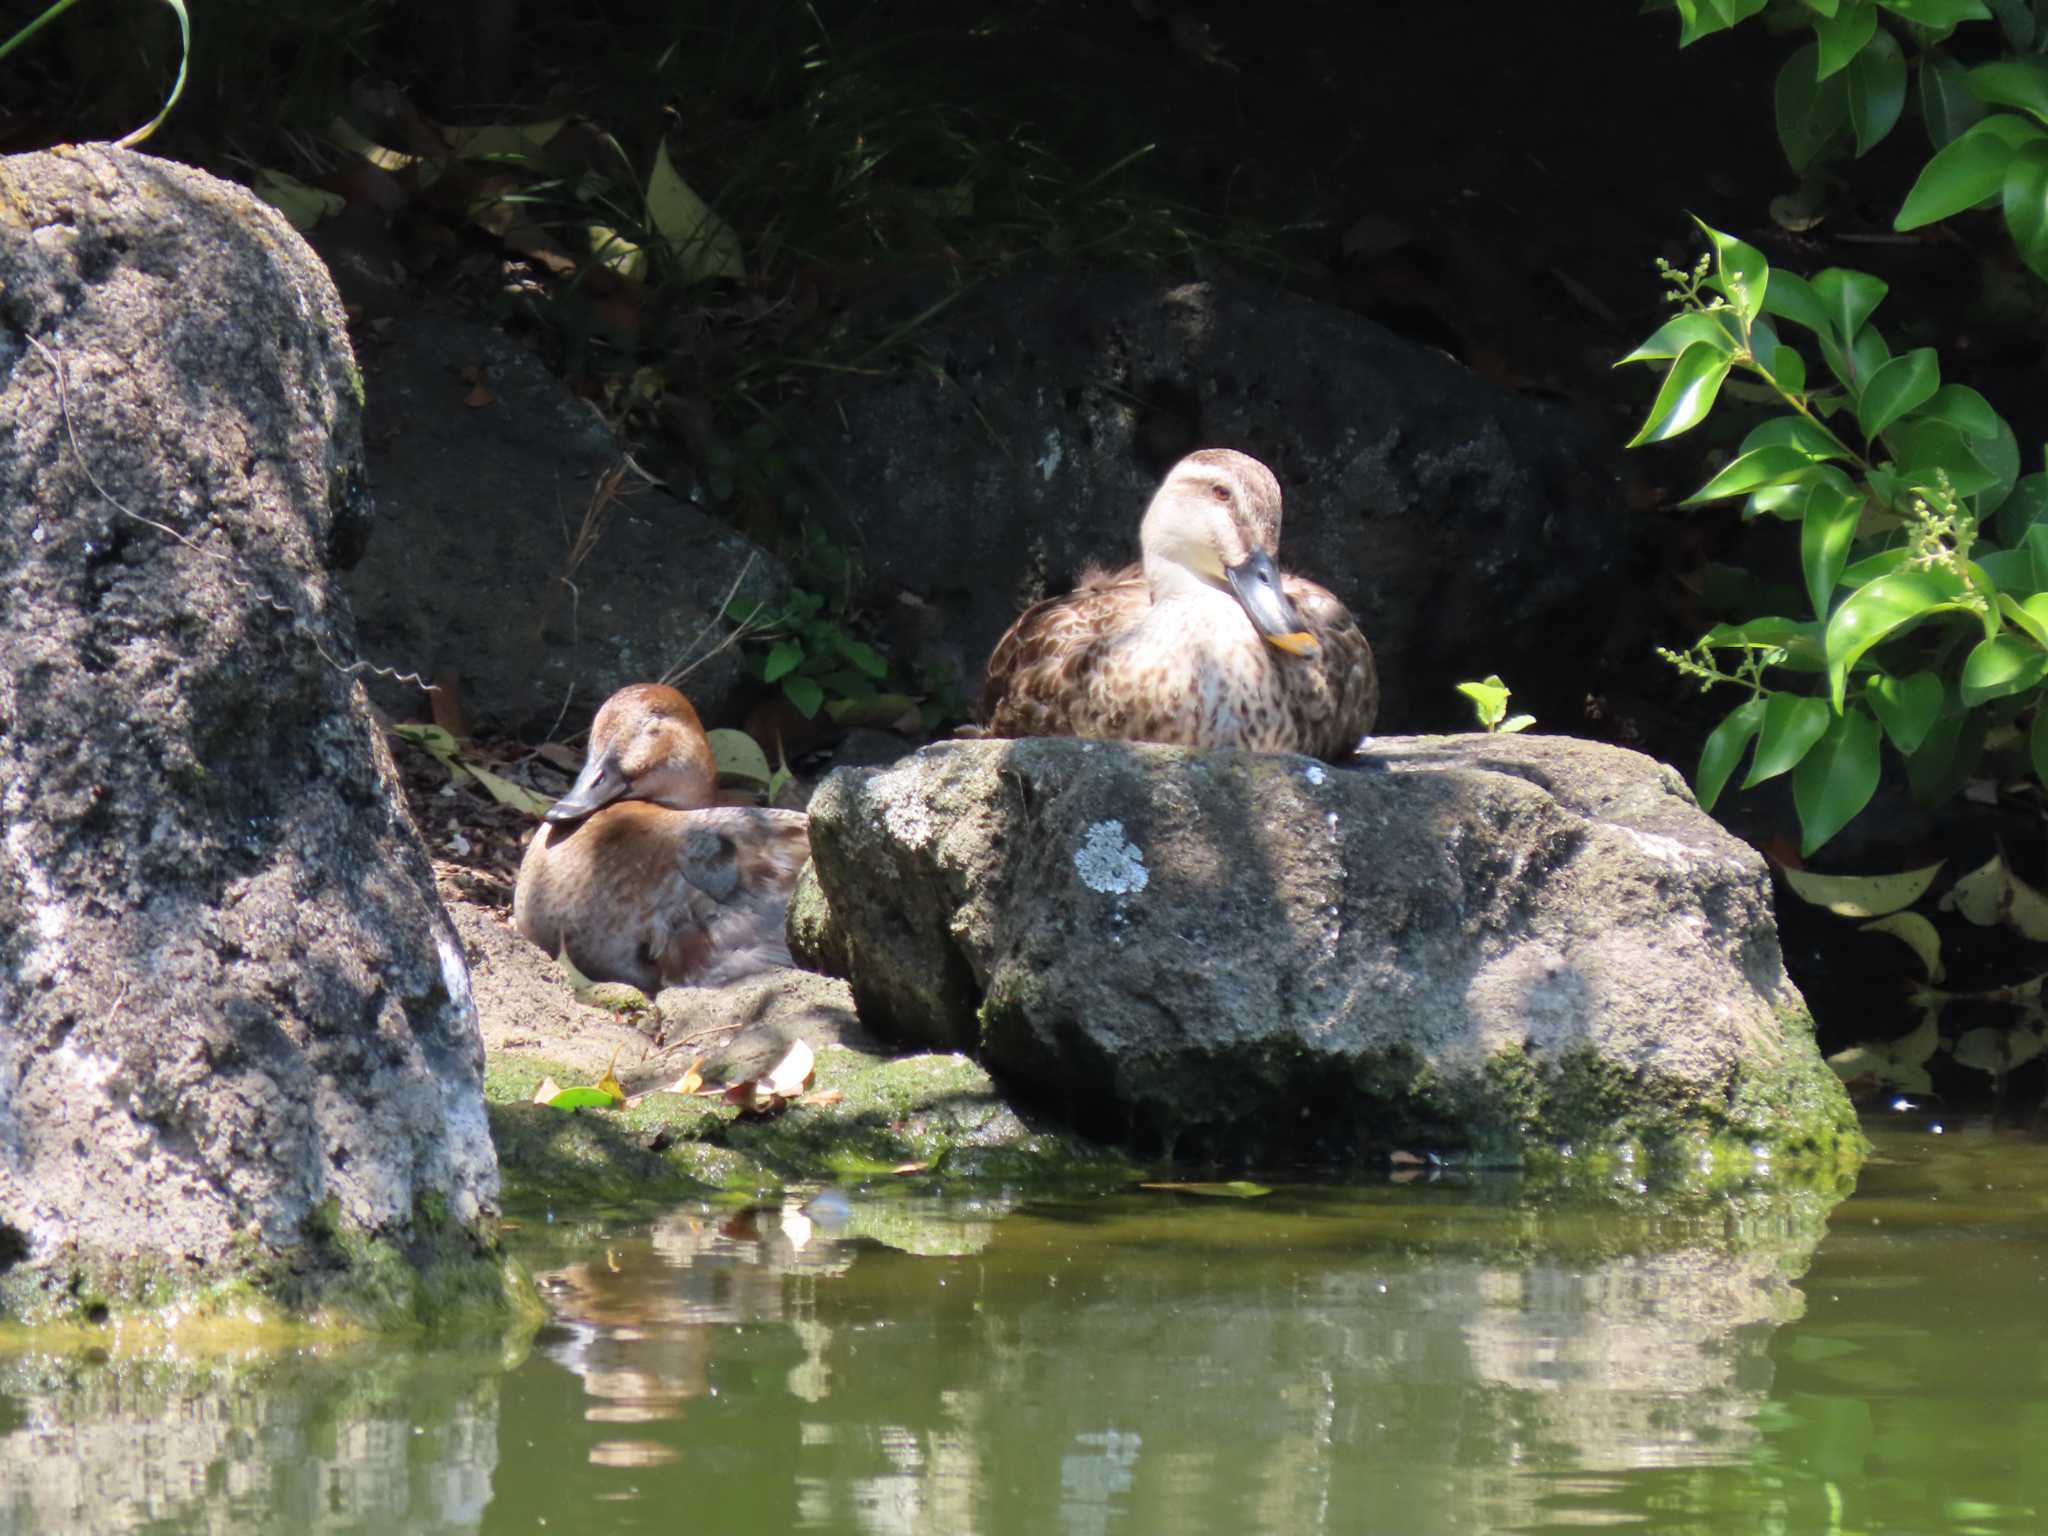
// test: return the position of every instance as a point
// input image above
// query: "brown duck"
(1204, 644)
(640, 876)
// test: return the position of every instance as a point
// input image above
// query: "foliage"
(1924, 557)
(806, 647)
(1869, 59)
(1490, 705)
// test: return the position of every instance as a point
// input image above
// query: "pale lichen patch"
(1107, 862)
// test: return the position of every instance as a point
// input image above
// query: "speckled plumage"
(640, 876)
(1167, 650)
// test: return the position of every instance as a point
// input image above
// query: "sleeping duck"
(640, 876)
(1206, 644)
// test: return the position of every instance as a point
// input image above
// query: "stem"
(35, 26)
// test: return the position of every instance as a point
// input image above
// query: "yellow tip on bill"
(1300, 643)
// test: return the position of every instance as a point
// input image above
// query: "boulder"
(236, 1032)
(1487, 944)
(1433, 502)
(499, 558)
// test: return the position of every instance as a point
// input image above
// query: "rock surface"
(486, 472)
(1490, 943)
(1432, 502)
(235, 1025)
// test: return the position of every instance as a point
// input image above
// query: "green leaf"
(582, 1098)
(1687, 394)
(1937, 769)
(1946, 105)
(2021, 510)
(1724, 748)
(1741, 275)
(1883, 563)
(1925, 446)
(1906, 706)
(1843, 35)
(1967, 172)
(2021, 83)
(1836, 779)
(2002, 664)
(863, 656)
(1874, 611)
(1811, 111)
(804, 693)
(1808, 436)
(739, 756)
(2030, 623)
(2017, 19)
(1847, 298)
(1964, 409)
(1791, 297)
(1901, 385)
(1825, 535)
(1998, 455)
(2026, 205)
(1764, 466)
(1793, 722)
(1877, 90)
(699, 241)
(1714, 327)
(1778, 362)
(1941, 15)
(784, 656)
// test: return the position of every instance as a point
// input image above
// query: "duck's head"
(1216, 521)
(646, 744)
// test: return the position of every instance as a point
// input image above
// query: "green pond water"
(1413, 1358)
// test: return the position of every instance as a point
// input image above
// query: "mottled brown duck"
(640, 876)
(1204, 644)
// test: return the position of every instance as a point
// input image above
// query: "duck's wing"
(1337, 696)
(735, 867)
(1040, 670)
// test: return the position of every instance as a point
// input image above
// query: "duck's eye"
(1220, 492)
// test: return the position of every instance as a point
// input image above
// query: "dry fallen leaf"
(546, 1092)
(822, 1097)
(793, 1074)
(691, 1080)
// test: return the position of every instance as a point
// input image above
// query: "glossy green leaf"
(1829, 7)
(2025, 507)
(1877, 90)
(1714, 327)
(1906, 706)
(1966, 173)
(1925, 446)
(1883, 563)
(1777, 361)
(1811, 112)
(1964, 409)
(2016, 613)
(1687, 394)
(1937, 768)
(2036, 541)
(2002, 664)
(2021, 83)
(1724, 748)
(1809, 437)
(1791, 297)
(2026, 205)
(2010, 570)
(1847, 298)
(1793, 722)
(1941, 15)
(1861, 895)
(1874, 611)
(1764, 466)
(1836, 779)
(1946, 105)
(2037, 740)
(1842, 36)
(1904, 384)
(1741, 275)
(1825, 535)
(1998, 455)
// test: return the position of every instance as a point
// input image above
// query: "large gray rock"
(1434, 503)
(236, 1033)
(1480, 942)
(494, 557)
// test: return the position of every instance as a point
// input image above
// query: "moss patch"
(938, 1111)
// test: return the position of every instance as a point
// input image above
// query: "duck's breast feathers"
(1044, 662)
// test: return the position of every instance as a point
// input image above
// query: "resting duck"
(1206, 644)
(640, 876)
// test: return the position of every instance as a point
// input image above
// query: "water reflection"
(355, 1439)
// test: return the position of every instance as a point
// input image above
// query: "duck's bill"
(1256, 582)
(600, 783)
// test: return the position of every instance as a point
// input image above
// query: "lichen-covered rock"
(236, 1032)
(1490, 943)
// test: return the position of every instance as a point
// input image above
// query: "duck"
(1204, 643)
(640, 877)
